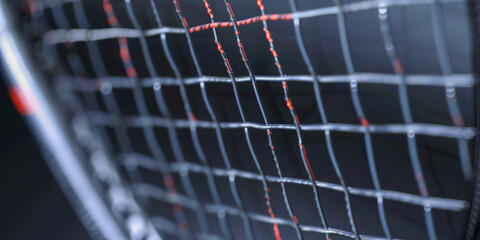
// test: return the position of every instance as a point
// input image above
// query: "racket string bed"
(192, 216)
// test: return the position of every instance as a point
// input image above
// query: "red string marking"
(178, 5)
(260, 5)
(398, 66)
(209, 10)
(215, 25)
(179, 10)
(244, 58)
(423, 189)
(31, 7)
(184, 225)
(170, 184)
(365, 122)
(192, 116)
(296, 118)
(21, 103)
(220, 49)
(278, 236)
(231, 10)
(276, 230)
(108, 8)
(270, 17)
(123, 42)
(288, 100)
(229, 67)
(458, 120)
(274, 17)
(124, 53)
(308, 163)
(132, 73)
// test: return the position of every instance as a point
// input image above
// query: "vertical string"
(361, 115)
(450, 91)
(275, 55)
(397, 66)
(232, 178)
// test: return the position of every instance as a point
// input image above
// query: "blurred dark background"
(32, 205)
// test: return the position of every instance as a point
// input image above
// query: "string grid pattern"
(134, 162)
